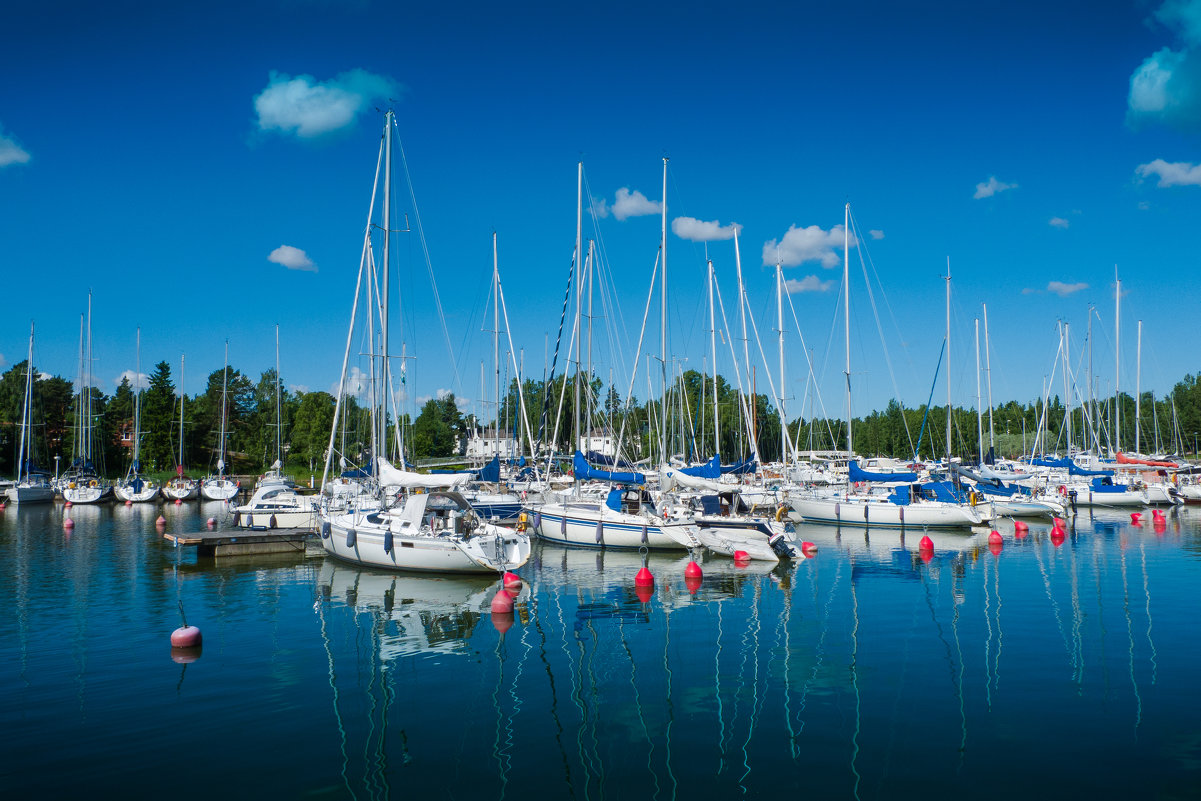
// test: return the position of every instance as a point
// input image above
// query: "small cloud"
(810, 283)
(11, 152)
(3, 361)
(991, 187)
(800, 245)
(136, 380)
(424, 399)
(44, 376)
(696, 230)
(292, 258)
(1029, 291)
(1166, 87)
(633, 204)
(355, 386)
(600, 207)
(299, 389)
(874, 234)
(1063, 289)
(1179, 173)
(1143, 205)
(309, 108)
(1058, 222)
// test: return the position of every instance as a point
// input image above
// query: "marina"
(869, 670)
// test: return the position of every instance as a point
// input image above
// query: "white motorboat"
(276, 506)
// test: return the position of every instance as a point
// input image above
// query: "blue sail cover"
(859, 474)
(596, 457)
(584, 471)
(743, 467)
(1075, 470)
(710, 469)
(490, 472)
(1064, 463)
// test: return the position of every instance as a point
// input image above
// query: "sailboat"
(81, 483)
(407, 520)
(218, 487)
(181, 488)
(133, 488)
(30, 486)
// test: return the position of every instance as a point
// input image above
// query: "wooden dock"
(243, 542)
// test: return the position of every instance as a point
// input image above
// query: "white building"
(484, 444)
(599, 441)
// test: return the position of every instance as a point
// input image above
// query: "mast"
(979, 411)
(496, 346)
(221, 444)
(87, 443)
(579, 280)
(137, 406)
(22, 454)
(385, 298)
(780, 326)
(948, 362)
(588, 407)
(1138, 393)
(846, 311)
(279, 421)
(988, 375)
(1117, 355)
(663, 321)
(79, 406)
(181, 402)
(1067, 387)
(1092, 403)
(713, 350)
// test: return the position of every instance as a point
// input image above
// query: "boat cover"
(584, 471)
(859, 474)
(390, 476)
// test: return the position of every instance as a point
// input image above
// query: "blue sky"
(160, 154)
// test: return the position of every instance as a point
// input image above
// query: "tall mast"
(846, 311)
(80, 414)
(279, 421)
(1067, 386)
(988, 374)
(496, 345)
(23, 456)
(713, 350)
(588, 407)
(88, 376)
(137, 405)
(979, 411)
(663, 314)
(181, 401)
(1117, 355)
(385, 295)
(948, 362)
(224, 384)
(1138, 393)
(780, 326)
(579, 280)
(1092, 403)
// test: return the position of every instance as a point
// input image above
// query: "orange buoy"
(693, 583)
(995, 538)
(186, 637)
(502, 603)
(512, 580)
(68, 523)
(926, 544)
(693, 570)
(644, 578)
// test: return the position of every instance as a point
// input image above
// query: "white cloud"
(1029, 291)
(1166, 87)
(1180, 173)
(299, 389)
(136, 380)
(356, 383)
(292, 258)
(309, 108)
(600, 206)
(633, 204)
(696, 230)
(1058, 222)
(800, 245)
(810, 283)
(1063, 289)
(876, 234)
(44, 376)
(3, 361)
(991, 187)
(11, 152)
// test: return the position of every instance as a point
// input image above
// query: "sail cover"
(859, 474)
(491, 471)
(1076, 470)
(710, 469)
(747, 465)
(671, 476)
(390, 476)
(584, 471)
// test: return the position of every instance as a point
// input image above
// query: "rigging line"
(650, 743)
(1147, 592)
(809, 362)
(742, 400)
(618, 449)
(550, 381)
(428, 263)
(1138, 700)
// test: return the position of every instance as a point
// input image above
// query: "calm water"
(863, 673)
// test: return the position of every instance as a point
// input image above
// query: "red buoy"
(926, 554)
(644, 578)
(1160, 525)
(502, 621)
(693, 570)
(926, 544)
(129, 503)
(178, 501)
(1157, 515)
(644, 592)
(1057, 536)
(212, 522)
(1136, 518)
(693, 583)
(2, 505)
(185, 656)
(68, 523)
(742, 556)
(186, 637)
(512, 581)
(1020, 533)
(502, 602)
(809, 549)
(1020, 525)
(67, 504)
(995, 538)
(162, 521)
(995, 548)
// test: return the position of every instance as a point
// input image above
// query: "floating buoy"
(512, 581)
(995, 537)
(1058, 522)
(129, 503)
(67, 504)
(644, 592)
(1057, 536)
(644, 578)
(1161, 525)
(212, 522)
(1019, 525)
(926, 544)
(693, 570)
(502, 621)
(68, 523)
(162, 521)
(926, 554)
(808, 548)
(186, 637)
(2, 505)
(995, 548)
(185, 656)
(693, 583)
(178, 501)
(1157, 515)
(1136, 518)
(742, 557)
(502, 603)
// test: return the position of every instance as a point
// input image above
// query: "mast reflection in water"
(873, 670)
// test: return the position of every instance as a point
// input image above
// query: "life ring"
(1063, 490)
(780, 513)
(92, 483)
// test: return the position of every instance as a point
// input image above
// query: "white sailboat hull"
(126, 492)
(881, 513)
(219, 489)
(594, 525)
(86, 493)
(181, 490)
(30, 493)
(495, 550)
